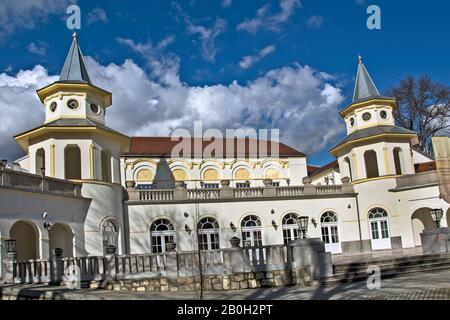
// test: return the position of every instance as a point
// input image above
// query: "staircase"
(390, 267)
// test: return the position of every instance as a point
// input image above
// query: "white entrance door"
(330, 236)
(380, 234)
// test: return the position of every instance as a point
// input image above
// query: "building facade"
(83, 186)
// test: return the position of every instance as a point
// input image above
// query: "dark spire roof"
(364, 87)
(74, 69)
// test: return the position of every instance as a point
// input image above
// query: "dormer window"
(73, 104)
(366, 116)
(53, 106)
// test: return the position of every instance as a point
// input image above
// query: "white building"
(102, 187)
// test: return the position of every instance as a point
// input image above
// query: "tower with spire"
(74, 142)
(374, 148)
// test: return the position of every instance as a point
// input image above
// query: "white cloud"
(315, 21)
(299, 100)
(15, 14)
(273, 22)
(39, 48)
(97, 15)
(248, 61)
(227, 3)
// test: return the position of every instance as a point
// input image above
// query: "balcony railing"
(10, 179)
(227, 193)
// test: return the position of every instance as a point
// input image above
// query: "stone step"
(386, 264)
(386, 273)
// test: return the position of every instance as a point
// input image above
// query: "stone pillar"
(311, 253)
(238, 263)
(436, 241)
(110, 267)
(347, 187)
(10, 265)
(180, 192)
(308, 189)
(172, 264)
(226, 192)
(269, 190)
(57, 267)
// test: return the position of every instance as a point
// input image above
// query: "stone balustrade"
(302, 260)
(10, 179)
(422, 179)
(227, 193)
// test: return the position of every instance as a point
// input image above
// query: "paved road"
(419, 286)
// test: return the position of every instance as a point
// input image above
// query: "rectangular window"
(211, 186)
(243, 185)
(145, 186)
(275, 184)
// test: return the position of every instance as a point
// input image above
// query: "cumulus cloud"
(248, 61)
(97, 15)
(16, 14)
(265, 21)
(299, 100)
(315, 22)
(39, 48)
(227, 3)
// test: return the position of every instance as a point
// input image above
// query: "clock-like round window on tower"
(73, 104)
(366, 116)
(95, 108)
(53, 106)
(383, 114)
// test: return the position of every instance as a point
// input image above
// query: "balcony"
(16, 180)
(227, 193)
(418, 180)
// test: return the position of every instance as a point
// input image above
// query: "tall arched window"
(290, 228)
(40, 161)
(348, 167)
(398, 161)
(110, 234)
(371, 162)
(72, 162)
(106, 166)
(251, 231)
(208, 234)
(162, 232)
(330, 232)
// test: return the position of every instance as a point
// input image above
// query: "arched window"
(272, 173)
(242, 174)
(40, 161)
(370, 160)
(379, 229)
(110, 234)
(208, 234)
(398, 161)
(162, 232)
(106, 166)
(251, 231)
(330, 232)
(348, 165)
(144, 175)
(72, 162)
(290, 228)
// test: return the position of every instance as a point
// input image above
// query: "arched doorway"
(61, 236)
(208, 234)
(379, 229)
(421, 220)
(72, 162)
(162, 232)
(330, 232)
(27, 240)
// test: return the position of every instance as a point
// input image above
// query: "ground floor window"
(162, 232)
(329, 223)
(251, 231)
(290, 228)
(110, 234)
(208, 234)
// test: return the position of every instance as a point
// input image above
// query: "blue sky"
(196, 49)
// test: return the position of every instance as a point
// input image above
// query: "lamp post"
(303, 225)
(436, 215)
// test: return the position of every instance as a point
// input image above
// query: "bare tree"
(424, 107)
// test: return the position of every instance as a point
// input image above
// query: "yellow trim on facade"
(386, 160)
(52, 160)
(375, 179)
(73, 117)
(355, 162)
(353, 106)
(375, 124)
(92, 161)
(381, 135)
(54, 87)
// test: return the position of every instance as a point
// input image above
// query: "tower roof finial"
(364, 86)
(360, 58)
(74, 69)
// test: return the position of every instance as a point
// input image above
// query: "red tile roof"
(424, 167)
(331, 165)
(163, 146)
